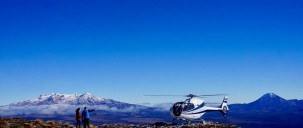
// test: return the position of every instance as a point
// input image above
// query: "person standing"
(78, 118)
(85, 117)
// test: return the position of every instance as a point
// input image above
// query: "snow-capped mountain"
(70, 99)
(270, 100)
(66, 104)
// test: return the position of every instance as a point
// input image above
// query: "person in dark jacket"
(85, 117)
(78, 118)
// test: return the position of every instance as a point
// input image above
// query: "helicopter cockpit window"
(188, 106)
(177, 108)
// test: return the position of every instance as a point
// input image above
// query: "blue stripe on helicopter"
(199, 112)
(200, 106)
(194, 113)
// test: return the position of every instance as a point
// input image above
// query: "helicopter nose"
(175, 111)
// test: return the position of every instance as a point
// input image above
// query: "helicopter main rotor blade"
(191, 95)
(164, 95)
(214, 95)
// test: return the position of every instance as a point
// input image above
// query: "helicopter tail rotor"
(224, 106)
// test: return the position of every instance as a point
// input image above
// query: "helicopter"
(194, 107)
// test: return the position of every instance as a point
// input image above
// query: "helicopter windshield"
(188, 106)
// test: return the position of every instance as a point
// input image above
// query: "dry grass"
(51, 123)
(91, 126)
(68, 125)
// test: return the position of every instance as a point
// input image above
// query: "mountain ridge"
(70, 99)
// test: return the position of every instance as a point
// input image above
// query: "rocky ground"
(22, 123)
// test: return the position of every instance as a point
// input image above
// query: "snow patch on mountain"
(71, 99)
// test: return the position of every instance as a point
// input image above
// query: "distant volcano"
(269, 100)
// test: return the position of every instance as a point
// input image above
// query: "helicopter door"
(177, 108)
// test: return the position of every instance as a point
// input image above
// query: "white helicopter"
(194, 107)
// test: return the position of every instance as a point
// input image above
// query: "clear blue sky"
(124, 49)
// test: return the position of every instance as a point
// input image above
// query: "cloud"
(61, 109)
(159, 106)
